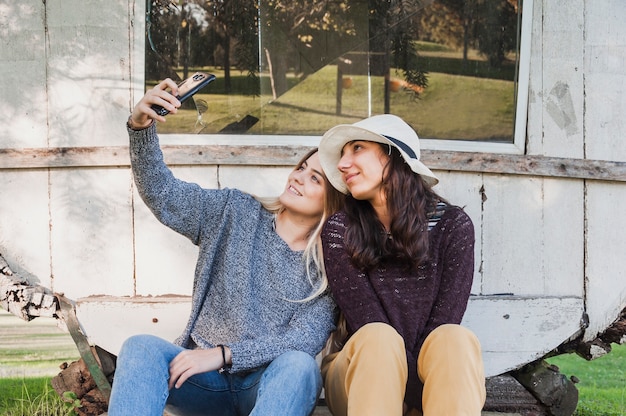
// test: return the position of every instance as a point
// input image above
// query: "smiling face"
(304, 192)
(362, 166)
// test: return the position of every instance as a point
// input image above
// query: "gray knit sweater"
(247, 280)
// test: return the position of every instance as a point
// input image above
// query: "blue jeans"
(289, 385)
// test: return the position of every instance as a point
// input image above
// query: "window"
(457, 71)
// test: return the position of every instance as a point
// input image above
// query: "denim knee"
(297, 362)
(138, 343)
(300, 368)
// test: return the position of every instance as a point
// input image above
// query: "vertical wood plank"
(24, 226)
(605, 80)
(563, 257)
(606, 262)
(512, 237)
(91, 232)
(23, 74)
(464, 190)
(534, 127)
(563, 80)
(165, 260)
(88, 67)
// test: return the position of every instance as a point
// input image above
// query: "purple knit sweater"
(414, 303)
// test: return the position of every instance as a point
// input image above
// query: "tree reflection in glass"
(448, 67)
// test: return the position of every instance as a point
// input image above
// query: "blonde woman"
(260, 312)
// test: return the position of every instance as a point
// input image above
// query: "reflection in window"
(448, 67)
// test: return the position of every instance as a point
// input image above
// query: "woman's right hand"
(190, 362)
(143, 114)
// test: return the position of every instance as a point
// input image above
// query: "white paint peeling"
(597, 352)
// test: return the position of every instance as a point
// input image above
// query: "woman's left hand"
(190, 362)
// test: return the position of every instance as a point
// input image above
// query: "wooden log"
(22, 299)
(93, 403)
(551, 388)
(76, 378)
(505, 394)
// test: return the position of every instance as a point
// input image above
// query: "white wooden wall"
(548, 249)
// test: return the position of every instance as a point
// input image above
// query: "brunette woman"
(400, 261)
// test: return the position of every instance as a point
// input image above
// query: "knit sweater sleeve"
(453, 250)
(176, 203)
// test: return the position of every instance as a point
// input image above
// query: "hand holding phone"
(188, 88)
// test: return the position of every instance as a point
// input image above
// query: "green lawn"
(602, 386)
(30, 397)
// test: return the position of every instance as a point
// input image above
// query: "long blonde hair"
(313, 254)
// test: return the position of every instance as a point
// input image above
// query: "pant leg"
(451, 367)
(140, 386)
(289, 386)
(141, 376)
(368, 376)
(204, 394)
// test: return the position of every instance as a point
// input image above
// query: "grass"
(602, 386)
(30, 397)
(30, 355)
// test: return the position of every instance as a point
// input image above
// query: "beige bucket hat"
(385, 128)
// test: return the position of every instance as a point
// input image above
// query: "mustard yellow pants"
(368, 376)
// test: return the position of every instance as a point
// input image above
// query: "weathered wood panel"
(91, 232)
(165, 260)
(24, 224)
(562, 257)
(88, 71)
(605, 80)
(534, 119)
(511, 225)
(23, 74)
(605, 268)
(605, 105)
(464, 190)
(109, 321)
(523, 237)
(519, 330)
(264, 154)
(560, 58)
(271, 183)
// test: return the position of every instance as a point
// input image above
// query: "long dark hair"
(410, 200)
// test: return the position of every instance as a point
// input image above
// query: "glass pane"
(447, 67)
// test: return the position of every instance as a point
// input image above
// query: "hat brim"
(335, 139)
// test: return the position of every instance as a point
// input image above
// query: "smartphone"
(187, 88)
